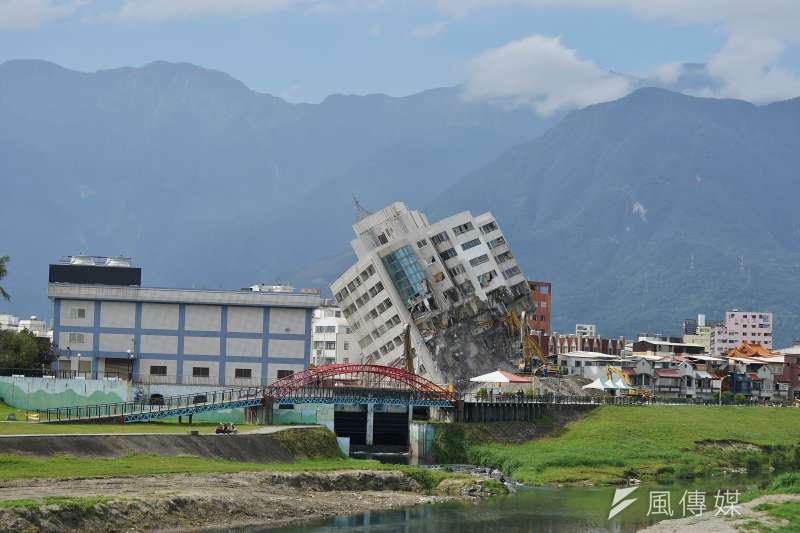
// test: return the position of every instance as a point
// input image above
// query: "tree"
(3, 271)
(18, 350)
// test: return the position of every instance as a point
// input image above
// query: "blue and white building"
(106, 325)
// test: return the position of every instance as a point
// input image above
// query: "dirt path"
(183, 501)
(708, 523)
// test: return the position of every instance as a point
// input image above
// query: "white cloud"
(668, 73)
(748, 68)
(540, 72)
(27, 14)
(428, 31)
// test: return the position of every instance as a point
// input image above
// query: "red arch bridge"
(340, 384)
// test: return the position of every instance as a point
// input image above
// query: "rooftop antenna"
(361, 213)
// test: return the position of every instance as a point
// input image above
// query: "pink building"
(753, 327)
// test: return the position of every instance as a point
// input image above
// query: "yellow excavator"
(635, 392)
(530, 347)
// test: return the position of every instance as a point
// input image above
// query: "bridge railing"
(152, 404)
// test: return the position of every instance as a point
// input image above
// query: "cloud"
(540, 72)
(640, 210)
(428, 31)
(28, 14)
(748, 68)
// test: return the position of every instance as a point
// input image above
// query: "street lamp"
(78, 371)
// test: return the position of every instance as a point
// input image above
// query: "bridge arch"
(363, 375)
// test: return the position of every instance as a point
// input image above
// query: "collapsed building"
(452, 283)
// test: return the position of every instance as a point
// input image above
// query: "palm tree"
(3, 271)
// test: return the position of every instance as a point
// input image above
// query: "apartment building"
(754, 327)
(542, 296)
(410, 271)
(106, 324)
(331, 337)
(585, 330)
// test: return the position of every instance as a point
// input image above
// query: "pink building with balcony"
(754, 327)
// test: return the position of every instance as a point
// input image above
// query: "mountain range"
(642, 211)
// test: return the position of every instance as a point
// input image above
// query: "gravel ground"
(188, 502)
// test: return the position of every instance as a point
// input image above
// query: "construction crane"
(636, 392)
(530, 348)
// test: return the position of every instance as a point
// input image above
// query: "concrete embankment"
(283, 447)
(191, 502)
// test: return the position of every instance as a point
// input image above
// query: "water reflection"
(561, 510)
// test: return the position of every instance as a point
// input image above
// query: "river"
(562, 510)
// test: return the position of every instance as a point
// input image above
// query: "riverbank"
(614, 444)
(191, 502)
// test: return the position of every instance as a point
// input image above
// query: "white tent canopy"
(499, 376)
(609, 384)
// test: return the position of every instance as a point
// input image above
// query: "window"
(200, 372)
(463, 228)
(346, 346)
(494, 243)
(511, 272)
(505, 256)
(77, 338)
(330, 345)
(544, 289)
(77, 312)
(319, 345)
(382, 239)
(243, 373)
(479, 260)
(422, 244)
(456, 270)
(440, 238)
(487, 228)
(431, 260)
(449, 254)
(284, 373)
(158, 370)
(324, 329)
(470, 244)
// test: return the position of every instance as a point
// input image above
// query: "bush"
(740, 398)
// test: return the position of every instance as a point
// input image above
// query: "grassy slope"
(6, 410)
(612, 440)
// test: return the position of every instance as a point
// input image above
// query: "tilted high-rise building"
(452, 281)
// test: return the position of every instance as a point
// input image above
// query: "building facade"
(542, 296)
(754, 327)
(182, 336)
(586, 330)
(331, 337)
(413, 272)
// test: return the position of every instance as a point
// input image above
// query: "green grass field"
(6, 410)
(615, 442)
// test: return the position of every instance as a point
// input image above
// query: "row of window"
(456, 270)
(463, 228)
(325, 345)
(505, 256)
(470, 244)
(204, 372)
(324, 329)
(376, 333)
(355, 282)
(481, 259)
(494, 243)
(511, 272)
(489, 227)
(439, 238)
(449, 254)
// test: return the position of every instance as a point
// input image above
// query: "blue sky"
(545, 53)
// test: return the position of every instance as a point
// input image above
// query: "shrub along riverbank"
(613, 443)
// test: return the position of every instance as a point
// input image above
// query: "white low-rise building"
(331, 338)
